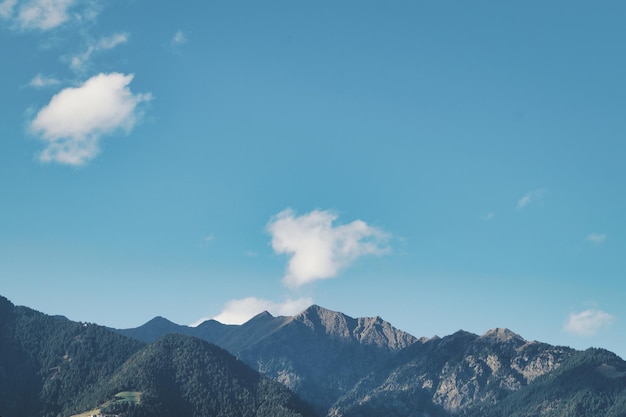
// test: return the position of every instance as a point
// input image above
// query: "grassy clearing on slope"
(133, 397)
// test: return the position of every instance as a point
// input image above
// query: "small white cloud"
(240, 311)
(489, 216)
(6, 8)
(79, 62)
(318, 249)
(112, 41)
(41, 81)
(179, 38)
(587, 323)
(523, 202)
(531, 197)
(76, 118)
(44, 14)
(596, 238)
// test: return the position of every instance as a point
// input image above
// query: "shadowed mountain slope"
(54, 367)
(48, 364)
(185, 376)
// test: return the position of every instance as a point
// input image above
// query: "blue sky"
(445, 165)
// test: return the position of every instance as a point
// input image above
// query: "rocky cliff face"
(366, 331)
(321, 354)
(455, 373)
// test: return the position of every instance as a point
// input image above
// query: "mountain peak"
(318, 318)
(159, 320)
(500, 334)
(316, 309)
(261, 317)
(364, 330)
(265, 314)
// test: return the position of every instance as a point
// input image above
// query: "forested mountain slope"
(48, 364)
(55, 367)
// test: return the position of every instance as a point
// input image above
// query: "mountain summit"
(368, 331)
(501, 335)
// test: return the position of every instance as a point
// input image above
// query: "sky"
(444, 165)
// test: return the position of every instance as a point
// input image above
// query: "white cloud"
(179, 38)
(587, 323)
(47, 14)
(318, 249)
(531, 197)
(6, 8)
(41, 81)
(240, 311)
(78, 62)
(76, 118)
(112, 41)
(44, 14)
(596, 238)
(489, 216)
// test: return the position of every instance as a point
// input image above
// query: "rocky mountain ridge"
(348, 366)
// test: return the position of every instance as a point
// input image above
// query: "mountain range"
(318, 362)
(347, 366)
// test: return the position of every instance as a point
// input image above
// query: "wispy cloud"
(76, 118)
(596, 238)
(535, 196)
(489, 216)
(317, 248)
(179, 38)
(6, 8)
(207, 240)
(42, 81)
(587, 323)
(242, 310)
(79, 62)
(46, 14)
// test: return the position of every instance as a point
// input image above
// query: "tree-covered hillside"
(185, 376)
(48, 364)
(53, 367)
